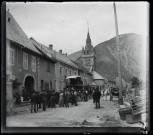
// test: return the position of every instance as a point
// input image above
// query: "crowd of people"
(51, 99)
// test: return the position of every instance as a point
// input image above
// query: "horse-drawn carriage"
(76, 83)
(114, 92)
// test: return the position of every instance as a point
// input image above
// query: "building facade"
(21, 59)
(46, 68)
(36, 66)
(33, 69)
(63, 67)
(66, 67)
(85, 75)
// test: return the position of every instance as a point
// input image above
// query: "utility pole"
(120, 99)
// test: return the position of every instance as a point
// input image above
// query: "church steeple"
(88, 40)
(88, 55)
(88, 47)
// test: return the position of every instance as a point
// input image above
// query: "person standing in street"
(65, 97)
(75, 98)
(72, 98)
(33, 102)
(111, 96)
(93, 96)
(97, 97)
(61, 100)
(37, 101)
(40, 98)
(48, 99)
(53, 99)
(44, 99)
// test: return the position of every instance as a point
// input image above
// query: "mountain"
(131, 48)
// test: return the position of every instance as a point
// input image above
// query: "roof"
(97, 76)
(15, 33)
(54, 54)
(41, 49)
(74, 77)
(81, 67)
(59, 57)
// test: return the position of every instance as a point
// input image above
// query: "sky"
(65, 24)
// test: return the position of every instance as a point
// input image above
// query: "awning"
(72, 77)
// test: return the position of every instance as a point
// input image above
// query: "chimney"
(51, 47)
(60, 52)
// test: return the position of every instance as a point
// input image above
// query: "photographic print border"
(83, 130)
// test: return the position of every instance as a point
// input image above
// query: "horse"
(106, 93)
(102, 95)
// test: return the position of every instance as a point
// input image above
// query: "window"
(89, 61)
(60, 70)
(61, 86)
(51, 85)
(70, 72)
(87, 51)
(42, 84)
(75, 72)
(48, 67)
(25, 61)
(11, 56)
(46, 86)
(79, 73)
(33, 63)
(66, 71)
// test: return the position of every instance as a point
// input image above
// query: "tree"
(15, 84)
(16, 94)
(135, 82)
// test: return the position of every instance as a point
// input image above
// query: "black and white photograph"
(77, 64)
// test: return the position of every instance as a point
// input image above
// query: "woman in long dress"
(61, 100)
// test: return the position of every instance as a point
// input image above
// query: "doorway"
(29, 84)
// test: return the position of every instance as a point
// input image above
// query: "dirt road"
(83, 115)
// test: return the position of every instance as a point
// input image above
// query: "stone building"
(34, 65)
(64, 67)
(21, 58)
(88, 60)
(32, 68)
(85, 75)
(46, 68)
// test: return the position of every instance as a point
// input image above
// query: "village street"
(83, 115)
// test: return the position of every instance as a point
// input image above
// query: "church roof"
(15, 33)
(88, 37)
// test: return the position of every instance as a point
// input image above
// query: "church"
(88, 60)
(88, 54)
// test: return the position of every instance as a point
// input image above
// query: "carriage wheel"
(10, 107)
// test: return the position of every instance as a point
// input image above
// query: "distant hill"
(131, 46)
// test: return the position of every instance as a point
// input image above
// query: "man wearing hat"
(33, 102)
(44, 99)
